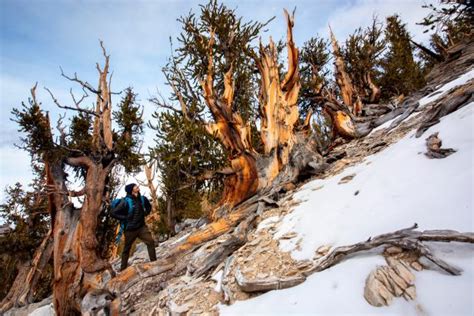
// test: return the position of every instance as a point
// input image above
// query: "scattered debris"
(387, 282)
(433, 144)
(347, 178)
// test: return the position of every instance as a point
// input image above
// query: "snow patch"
(399, 187)
(218, 278)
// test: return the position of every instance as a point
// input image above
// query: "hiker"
(131, 212)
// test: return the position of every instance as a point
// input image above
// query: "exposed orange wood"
(374, 89)
(278, 102)
(343, 124)
(342, 78)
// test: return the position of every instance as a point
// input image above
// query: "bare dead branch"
(61, 129)
(77, 103)
(84, 84)
(33, 93)
(78, 109)
(164, 105)
(104, 52)
(184, 110)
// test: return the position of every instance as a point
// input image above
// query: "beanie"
(129, 188)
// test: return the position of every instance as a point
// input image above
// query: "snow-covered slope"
(390, 190)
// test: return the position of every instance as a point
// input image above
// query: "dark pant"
(145, 236)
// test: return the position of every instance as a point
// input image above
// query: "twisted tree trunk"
(78, 267)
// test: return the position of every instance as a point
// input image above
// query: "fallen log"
(263, 285)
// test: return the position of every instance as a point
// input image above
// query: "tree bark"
(150, 171)
(342, 77)
(170, 215)
(66, 252)
(77, 264)
(253, 172)
(375, 91)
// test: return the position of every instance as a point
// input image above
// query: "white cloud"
(15, 167)
(347, 18)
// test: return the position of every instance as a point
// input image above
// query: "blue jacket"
(131, 211)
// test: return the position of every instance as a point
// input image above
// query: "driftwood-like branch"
(237, 239)
(217, 256)
(184, 108)
(61, 129)
(343, 79)
(77, 103)
(405, 238)
(33, 93)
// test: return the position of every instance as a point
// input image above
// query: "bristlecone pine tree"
(92, 148)
(26, 268)
(314, 78)
(401, 73)
(183, 150)
(313, 74)
(362, 56)
(218, 46)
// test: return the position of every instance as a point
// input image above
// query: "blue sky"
(39, 36)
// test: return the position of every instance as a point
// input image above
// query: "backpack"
(123, 223)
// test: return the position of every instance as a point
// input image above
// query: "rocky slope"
(374, 185)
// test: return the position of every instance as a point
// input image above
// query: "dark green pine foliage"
(33, 122)
(25, 210)
(232, 47)
(401, 73)
(314, 76)
(188, 156)
(184, 152)
(314, 72)
(129, 118)
(362, 56)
